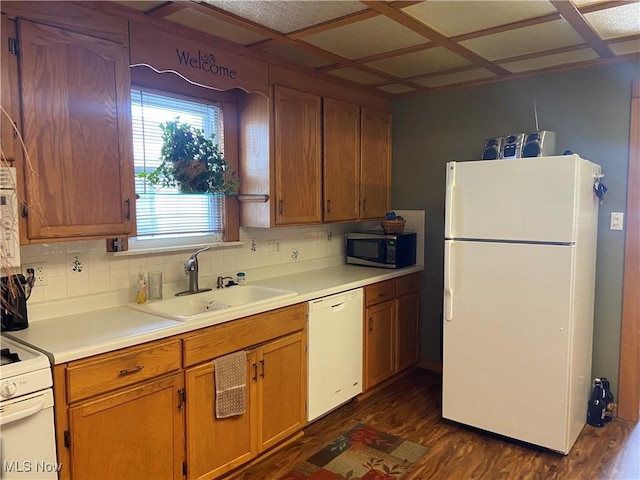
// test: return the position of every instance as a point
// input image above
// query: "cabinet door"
(379, 342)
(215, 446)
(282, 389)
(136, 433)
(76, 116)
(10, 101)
(297, 157)
(408, 317)
(341, 160)
(375, 163)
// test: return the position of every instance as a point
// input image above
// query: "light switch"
(617, 221)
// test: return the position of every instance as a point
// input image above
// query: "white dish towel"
(230, 377)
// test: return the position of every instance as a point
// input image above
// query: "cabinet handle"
(255, 372)
(371, 324)
(328, 206)
(364, 204)
(381, 294)
(129, 371)
(262, 367)
(280, 206)
(128, 203)
(15, 129)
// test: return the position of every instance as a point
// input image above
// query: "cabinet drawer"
(408, 284)
(379, 292)
(110, 371)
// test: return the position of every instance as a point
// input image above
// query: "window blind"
(163, 211)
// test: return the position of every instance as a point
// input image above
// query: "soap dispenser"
(141, 293)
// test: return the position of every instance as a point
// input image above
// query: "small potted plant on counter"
(192, 162)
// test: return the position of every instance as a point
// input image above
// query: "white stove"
(23, 370)
(27, 446)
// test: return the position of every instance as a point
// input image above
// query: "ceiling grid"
(401, 48)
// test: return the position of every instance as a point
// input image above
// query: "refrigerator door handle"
(450, 193)
(448, 282)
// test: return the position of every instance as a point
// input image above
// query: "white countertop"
(81, 335)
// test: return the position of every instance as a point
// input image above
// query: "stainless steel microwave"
(377, 249)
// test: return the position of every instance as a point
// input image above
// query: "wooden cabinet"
(10, 119)
(216, 446)
(341, 154)
(281, 389)
(392, 316)
(375, 163)
(119, 415)
(298, 161)
(379, 343)
(276, 390)
(275, 409)
(136, 433)
(329, 166)
(77, 130)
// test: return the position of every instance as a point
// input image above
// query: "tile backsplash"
(84, 271)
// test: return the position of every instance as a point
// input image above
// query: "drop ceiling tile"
(141, 6)
(214, 26)
(582, 3)
(454, 78)
(421, 62)
(366, 38)
(623, 48)
(396, 88)
(550, 60)
(536, 38)
(616, 22)
(296, 55)
(356, 75)
(455, 18)
(289, 16)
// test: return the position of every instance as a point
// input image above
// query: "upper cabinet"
(298, 161)
(75, 92)
(375, 163)
(341, 143)
(329, 165)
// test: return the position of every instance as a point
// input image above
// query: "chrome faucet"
(192, 270)
(220, 282)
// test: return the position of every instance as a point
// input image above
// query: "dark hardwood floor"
(410, 408)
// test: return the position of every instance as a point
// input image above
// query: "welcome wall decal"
(205, 62)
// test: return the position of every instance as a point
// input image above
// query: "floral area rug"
(363, 453)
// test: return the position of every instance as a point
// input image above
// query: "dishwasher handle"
(338, 307)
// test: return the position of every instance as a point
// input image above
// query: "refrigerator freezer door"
(507, 326)
(529, 199)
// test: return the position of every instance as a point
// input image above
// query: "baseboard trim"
(431, 366)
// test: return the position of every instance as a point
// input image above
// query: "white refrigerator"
(519, 277)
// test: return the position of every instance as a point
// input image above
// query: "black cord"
(31, 280)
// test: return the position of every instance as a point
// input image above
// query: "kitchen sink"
(208, 303)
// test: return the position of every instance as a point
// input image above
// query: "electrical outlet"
(273, 248)
(617, 220)
(39, 271)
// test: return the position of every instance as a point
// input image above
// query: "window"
(164, 212)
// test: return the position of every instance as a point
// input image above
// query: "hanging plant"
(192, 162)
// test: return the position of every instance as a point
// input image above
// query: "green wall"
(589, 110)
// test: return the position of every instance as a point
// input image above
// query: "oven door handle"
(30, 407)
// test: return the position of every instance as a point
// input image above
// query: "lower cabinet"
(215, 446)
(391, 322)
(148, 411)
(275, 409)
(379, 343)
(135, 433)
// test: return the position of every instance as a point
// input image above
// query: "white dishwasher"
(335, 351)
